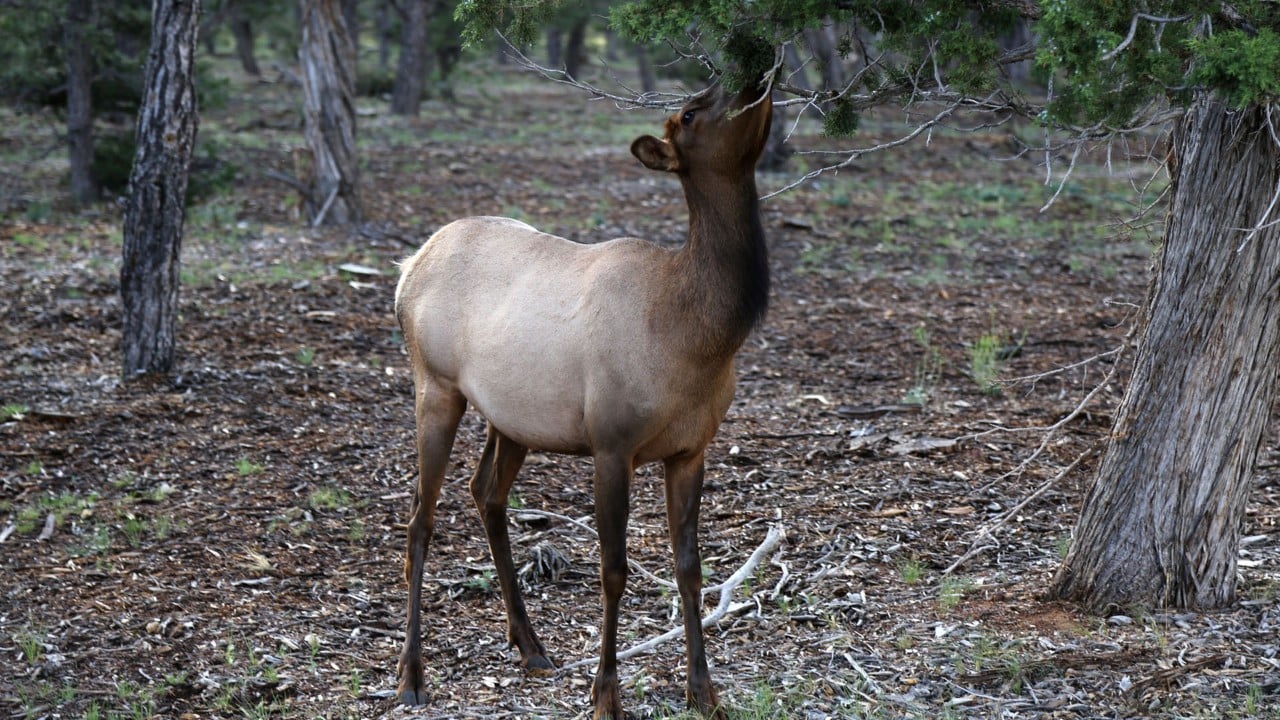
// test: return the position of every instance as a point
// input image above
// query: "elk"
(621, 350)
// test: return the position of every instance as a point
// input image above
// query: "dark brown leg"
(490, 487)
(684, 496)
(438, 411)
(613, 500)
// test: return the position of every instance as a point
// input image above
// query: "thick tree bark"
(1161, 526)
(411, 71)
(84, 187)
(155, 205)
(328, 59)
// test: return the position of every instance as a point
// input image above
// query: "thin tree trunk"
(84, 187)
(644, 64)
(822, 43)
(555, 48)
(575, 52)
(795, 73)
(1161, 526)
(776, 151)
(382, 24)
(242, 31)
(411, 71)
(155, 206)
(328, 62)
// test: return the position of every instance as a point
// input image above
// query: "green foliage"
(33, 67)
(13, 411)
(520, 21)
(1245, 68)
(841, 120)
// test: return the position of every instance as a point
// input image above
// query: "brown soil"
(228, 542)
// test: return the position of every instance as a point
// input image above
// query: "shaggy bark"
(155, 205)
(84, 187)
(1161, 526)
(328, 60)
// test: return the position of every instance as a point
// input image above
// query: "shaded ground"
(230, 544)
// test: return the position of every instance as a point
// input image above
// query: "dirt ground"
(229, 542)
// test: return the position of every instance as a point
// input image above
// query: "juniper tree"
(1161, 524)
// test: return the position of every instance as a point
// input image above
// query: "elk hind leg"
(490, 488)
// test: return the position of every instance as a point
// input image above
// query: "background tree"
(155, 206)
(412, 69)
(1161, 526)
(1162, 523)
(328, 58)
(84, 187)
(81, 58)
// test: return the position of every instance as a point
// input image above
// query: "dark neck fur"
(726, 259)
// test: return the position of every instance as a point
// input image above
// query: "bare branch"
(1133, 30)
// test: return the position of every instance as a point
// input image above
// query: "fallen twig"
(724, 607)
(985, 532)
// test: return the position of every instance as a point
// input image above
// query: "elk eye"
(687, 117)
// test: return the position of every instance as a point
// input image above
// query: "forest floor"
(229, 542)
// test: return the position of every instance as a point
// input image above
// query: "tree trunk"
(328, 61)
(382, 24)
(1161, 526)
(776, 151)
(351, 13)
(242, 31)
(822, 43)
(794, 73)
(155, 205)
(575, 52)
(84, 187)
(644, 65)
(411, 71)
(555, 48)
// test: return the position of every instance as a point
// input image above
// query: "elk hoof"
(538, 666)
(608, 704)
(412, 690)
(703, 699)
(413, 696)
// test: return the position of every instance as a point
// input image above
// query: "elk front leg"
(490, 487)
(683, 478)
(438, 411)
(613, 501)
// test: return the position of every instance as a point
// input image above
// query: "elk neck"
(722, 273)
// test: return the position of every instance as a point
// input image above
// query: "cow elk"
(621, 350)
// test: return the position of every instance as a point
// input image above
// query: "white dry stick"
(724, 607)
(985, 532)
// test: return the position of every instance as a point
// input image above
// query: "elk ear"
(655, 154)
